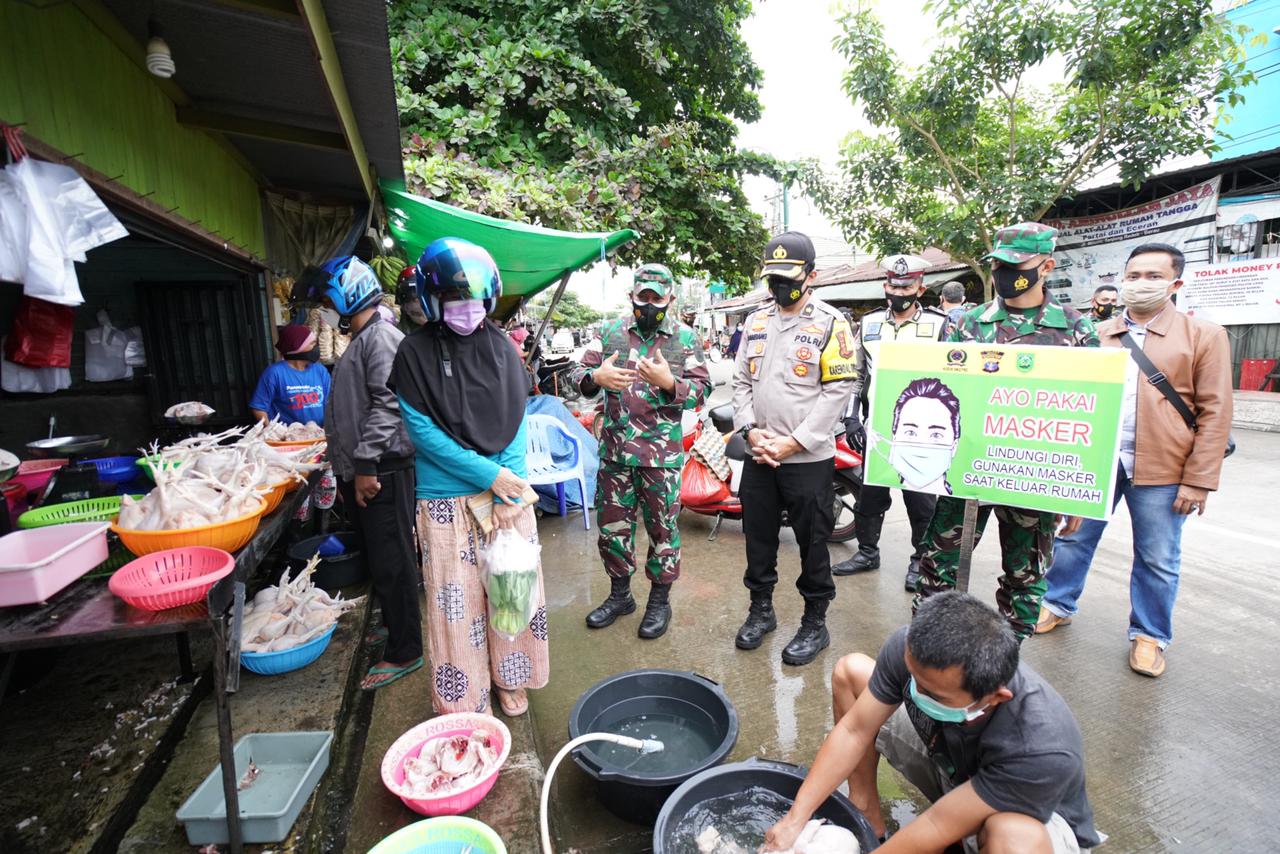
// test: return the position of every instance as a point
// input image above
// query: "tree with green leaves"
(964, 145)
(571, 312)
(593, 115)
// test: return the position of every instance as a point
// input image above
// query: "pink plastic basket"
(409, 744)
(35, 474)
(171, 578)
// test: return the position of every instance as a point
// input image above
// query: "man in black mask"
(903, 319)
(651, 370)
(791, 384)
(1103, 302)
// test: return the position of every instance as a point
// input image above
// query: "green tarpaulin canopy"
(531, 258)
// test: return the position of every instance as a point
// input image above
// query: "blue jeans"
(1157, 560)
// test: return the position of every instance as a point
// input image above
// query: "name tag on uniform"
(925, 330)
(872, 330)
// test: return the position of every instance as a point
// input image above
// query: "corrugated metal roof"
(262, 67)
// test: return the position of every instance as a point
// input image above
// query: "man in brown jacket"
(1169, 463)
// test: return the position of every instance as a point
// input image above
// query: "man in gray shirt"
(982, 736)
(372, 457)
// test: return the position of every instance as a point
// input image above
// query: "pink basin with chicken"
(410, 745)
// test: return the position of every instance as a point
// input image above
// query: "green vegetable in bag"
(509, 571)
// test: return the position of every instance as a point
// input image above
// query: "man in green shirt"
(651, 370)
(1022, 313)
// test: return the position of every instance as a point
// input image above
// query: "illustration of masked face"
(924, 443)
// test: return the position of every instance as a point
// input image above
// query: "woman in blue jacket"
(462, 391)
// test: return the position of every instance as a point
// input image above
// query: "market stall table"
(87, 611)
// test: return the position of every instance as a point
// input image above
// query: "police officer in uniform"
(791, 384)
(903, 319)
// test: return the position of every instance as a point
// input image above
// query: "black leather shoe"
(617, 605)
(913, 575)
(808, 642)
(760, 621)
(864, 561)
(657, 613)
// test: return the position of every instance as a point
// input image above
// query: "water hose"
(643, 745)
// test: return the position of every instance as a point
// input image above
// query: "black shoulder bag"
(1156, 377)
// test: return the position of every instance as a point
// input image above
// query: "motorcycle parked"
(847, 481)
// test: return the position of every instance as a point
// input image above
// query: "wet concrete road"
(1186, 762)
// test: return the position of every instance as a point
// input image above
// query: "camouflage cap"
(1022, 242)
(654, 277)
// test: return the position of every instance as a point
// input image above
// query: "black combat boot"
(867, 529)
(918, 530)
(812, 638)
(760, 621)
(657, 613)
(617, 605)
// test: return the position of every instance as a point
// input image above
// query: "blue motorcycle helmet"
(350, 284)
(455, 268)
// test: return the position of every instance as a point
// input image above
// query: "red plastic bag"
(699, 485)
(41, 334)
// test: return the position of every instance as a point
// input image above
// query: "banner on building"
(1234, 293)
(1033, 427)
(1092, 250)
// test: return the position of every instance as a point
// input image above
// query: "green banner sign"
(1032, 427)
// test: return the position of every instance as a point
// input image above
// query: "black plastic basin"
(634, 795)
(333, 572)
(780, 777)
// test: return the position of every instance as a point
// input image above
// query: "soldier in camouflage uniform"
(651, 370)
(1023, 313)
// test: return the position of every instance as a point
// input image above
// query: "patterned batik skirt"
(466, 655)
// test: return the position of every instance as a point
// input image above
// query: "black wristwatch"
(746, 430)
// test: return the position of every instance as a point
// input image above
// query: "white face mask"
(1145, 295)
(330, 317)
(920, 463)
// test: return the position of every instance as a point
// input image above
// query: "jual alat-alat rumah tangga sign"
(1032, 427)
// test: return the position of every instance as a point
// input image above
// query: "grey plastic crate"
(290, 765)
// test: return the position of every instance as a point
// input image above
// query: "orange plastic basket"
(228, 536)
(293, 446)
(273, 495)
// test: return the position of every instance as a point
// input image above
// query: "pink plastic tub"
(409, 744)
(37, 563)
(35, 474)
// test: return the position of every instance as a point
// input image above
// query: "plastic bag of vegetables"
(509, 572)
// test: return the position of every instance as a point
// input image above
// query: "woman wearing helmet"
(373, 458)
(462, 392)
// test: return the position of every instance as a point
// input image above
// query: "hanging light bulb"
(159, 61)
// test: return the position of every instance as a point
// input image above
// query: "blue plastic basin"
(275, 663)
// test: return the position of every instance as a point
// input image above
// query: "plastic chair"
(542, 466)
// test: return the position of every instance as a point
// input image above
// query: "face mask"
(330, 317)
(900, 303)
(648, 316)
(939, 712)
(786, 293)
(312, 355)
(1145, 295)
(413, 310)
(1102, 312)
(920, 463)
(464, 316)
(1012, 282)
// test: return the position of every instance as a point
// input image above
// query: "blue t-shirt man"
(292, 395)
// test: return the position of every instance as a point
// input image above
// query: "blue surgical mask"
(939, 712)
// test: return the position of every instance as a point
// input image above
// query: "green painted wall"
(77, 91)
